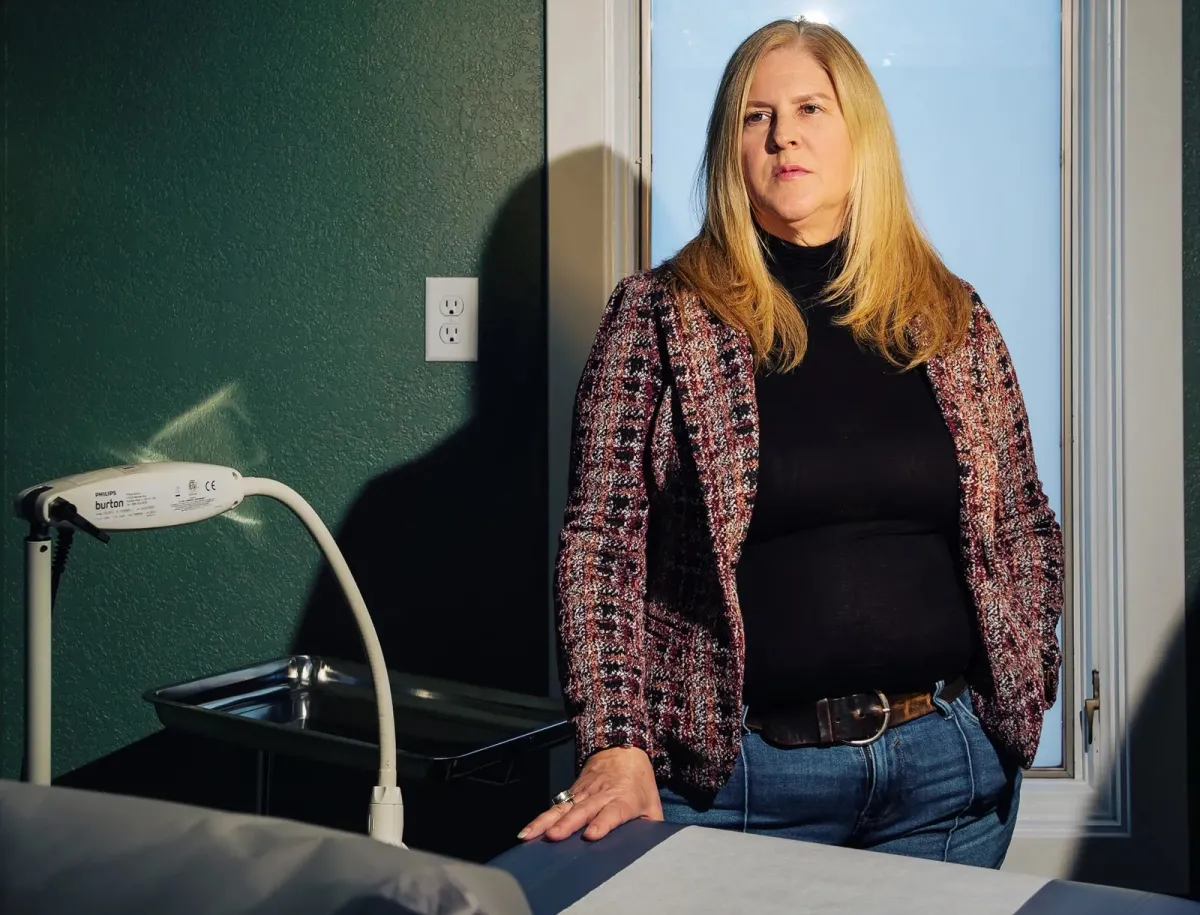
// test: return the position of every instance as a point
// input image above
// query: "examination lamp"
(140, 497)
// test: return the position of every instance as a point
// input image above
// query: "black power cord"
(62, 552)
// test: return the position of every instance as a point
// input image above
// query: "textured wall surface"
(219, 217)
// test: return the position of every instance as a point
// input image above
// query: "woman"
(809, 581)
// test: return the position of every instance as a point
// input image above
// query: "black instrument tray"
(323, 709)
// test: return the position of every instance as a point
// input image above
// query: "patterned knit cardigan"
(664, 461)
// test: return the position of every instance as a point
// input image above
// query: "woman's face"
(796, 152)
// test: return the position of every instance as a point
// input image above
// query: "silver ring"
(563, 797)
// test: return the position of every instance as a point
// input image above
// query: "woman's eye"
(810, 109)
(756, 117)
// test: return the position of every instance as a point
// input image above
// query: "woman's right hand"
(616, 785)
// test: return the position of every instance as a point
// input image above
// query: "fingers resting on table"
(616, 785)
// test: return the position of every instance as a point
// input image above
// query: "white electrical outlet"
(451, 318)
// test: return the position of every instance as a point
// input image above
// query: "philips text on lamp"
(141, 497)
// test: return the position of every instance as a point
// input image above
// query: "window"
(979, 127)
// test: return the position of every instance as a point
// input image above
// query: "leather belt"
(858, 720)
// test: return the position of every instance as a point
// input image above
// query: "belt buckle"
(887, 717)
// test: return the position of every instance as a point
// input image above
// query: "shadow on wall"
(450, 550)
(450, 554)
(453, 551)
(1148, 862)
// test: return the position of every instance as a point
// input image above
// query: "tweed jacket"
(663, 468)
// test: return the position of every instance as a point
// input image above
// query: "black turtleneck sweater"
(850, 576)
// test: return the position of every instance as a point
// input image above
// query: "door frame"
(1106, 819)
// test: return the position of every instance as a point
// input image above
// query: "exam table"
(84, 853)
(644, 868)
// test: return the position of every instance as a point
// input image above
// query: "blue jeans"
(934, 787)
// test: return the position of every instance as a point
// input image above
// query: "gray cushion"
(84, 853)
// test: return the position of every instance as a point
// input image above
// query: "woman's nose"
(786, 133)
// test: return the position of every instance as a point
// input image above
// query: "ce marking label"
(210, 485)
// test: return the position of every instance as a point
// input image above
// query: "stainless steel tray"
(324, 709)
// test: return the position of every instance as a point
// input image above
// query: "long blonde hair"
(903, 301)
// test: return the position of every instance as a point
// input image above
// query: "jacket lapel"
(712, 371)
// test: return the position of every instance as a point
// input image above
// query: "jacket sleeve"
(1027, 533)
(600, 574)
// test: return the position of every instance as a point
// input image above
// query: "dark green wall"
(219, 217)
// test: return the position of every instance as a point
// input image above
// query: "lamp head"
(133, 497)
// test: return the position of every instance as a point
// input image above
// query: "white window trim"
(1125, 506)
(592, 200)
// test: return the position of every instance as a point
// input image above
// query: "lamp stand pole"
(38, 625)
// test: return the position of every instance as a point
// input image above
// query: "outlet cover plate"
(451, 313)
